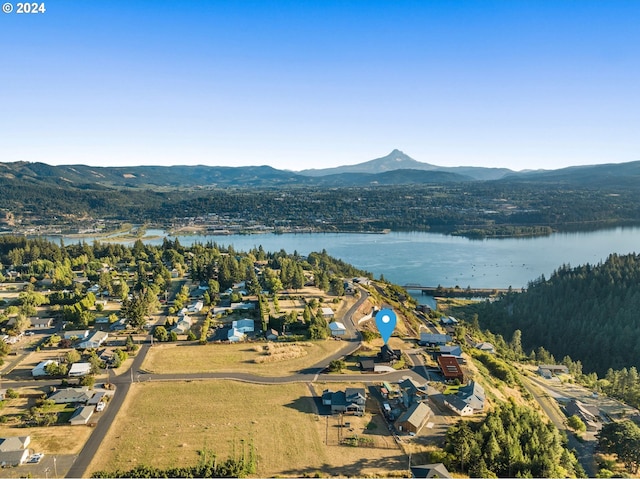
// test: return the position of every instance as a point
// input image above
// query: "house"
(81, 415)
(95, 341)
(412, 392)
(196, 307)
(450, 368)
(14, 443)
(234, 335)
(351, 401)
(337, 328)
(97, 397)
(41, 323)
(432, 339)
(454, 350)
(587, 415)
(244, 325)
(76, 334)
(182, 326)
(14, 450)
(412, 420)
(71, 395)
(367, 364)
(79, 369)
(327, 313)
(41, 368)
(457, 405)
(437, 470)
(119, 325)
(388, 355)
(449, 321)
(272, 335)
(473, 394)
(547, 371)
(486, 347)
(468, 400)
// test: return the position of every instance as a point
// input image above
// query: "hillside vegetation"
(589, 313)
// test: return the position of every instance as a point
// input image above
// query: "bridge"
(455, 291)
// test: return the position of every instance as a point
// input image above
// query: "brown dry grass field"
(165, 424)
(52, 440)
(175, 358)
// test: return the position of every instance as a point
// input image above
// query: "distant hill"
(623, 174)
(396, 168)
(397, 160)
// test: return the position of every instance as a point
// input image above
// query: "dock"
(457, 292)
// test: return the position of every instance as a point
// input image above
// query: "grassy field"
(52, 440)
(165, 424)
(192, 358)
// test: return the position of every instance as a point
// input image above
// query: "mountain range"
(396, 168)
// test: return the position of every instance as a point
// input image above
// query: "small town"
(89, 342)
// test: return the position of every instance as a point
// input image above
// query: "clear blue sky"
(311, 84)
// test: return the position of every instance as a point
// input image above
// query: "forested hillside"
(591, 313)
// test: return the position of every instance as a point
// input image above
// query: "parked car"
(35, 458)
(100, 406)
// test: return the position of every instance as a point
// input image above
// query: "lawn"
(177, 358)
(165, 424)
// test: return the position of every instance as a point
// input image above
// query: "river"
(433, 259)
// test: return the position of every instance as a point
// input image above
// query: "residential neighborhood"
(72, 358)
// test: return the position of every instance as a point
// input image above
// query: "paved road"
(123, 383)
(585, 450)
(90, 449)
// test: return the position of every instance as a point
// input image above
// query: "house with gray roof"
(14, 450)
(412, 420)
(81, 415)
(95, 341)
(468, 400)
(437, 470)
(412, 392)
(351, 401)
(71, 395)
(432, 339)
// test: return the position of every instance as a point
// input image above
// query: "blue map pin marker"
(386, 323)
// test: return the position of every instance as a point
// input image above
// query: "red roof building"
(450, 368)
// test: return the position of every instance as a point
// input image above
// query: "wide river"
(432, 259)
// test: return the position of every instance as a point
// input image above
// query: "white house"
(40, 369)
(243, 325)
(14, 450)
(76, 334)
(327, 313)
(183, 325)
(337, 329)
(196, 307)
(235, 335)
(79, 369)
(458, 405)
(95, 341)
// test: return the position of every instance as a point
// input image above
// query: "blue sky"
(311, 84)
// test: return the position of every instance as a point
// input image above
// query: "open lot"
(165, 424)
(193, 358)
(51, 440)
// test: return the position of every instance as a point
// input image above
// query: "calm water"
(431, 259)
